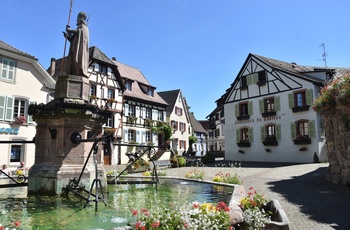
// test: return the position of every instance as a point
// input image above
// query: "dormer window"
(128, 85)
(150, 92)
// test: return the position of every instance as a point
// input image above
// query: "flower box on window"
(270, 141)
(300, 108)
(243, 144)
(302, 140)
(132, 119)
(20, 120)
(268, 114)
(243, 117)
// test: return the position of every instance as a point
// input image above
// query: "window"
(182, 127)
(302, 131)
(160, 116)
(178, 111)
(8, 69)
(244, 134)
(261, 77)
(110, 93)
(131, 135)
(269, 104)
(20, 108)
(148, 113)
(150, 92)
(131, 111)
(174, 124)
(148, 136)
(270, 134)
(93, 90)
(16, 153)
(110, 121)
(243, 109)
(182, 144)
(300, 100)
(128, 85)
(302, 128)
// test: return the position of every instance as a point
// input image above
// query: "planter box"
(243, 144)
(302, 142)
(279, 219)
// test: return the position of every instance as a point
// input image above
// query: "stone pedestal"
(57, 159)
(72, 87)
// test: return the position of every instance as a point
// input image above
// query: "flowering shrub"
(149, 173)
(254, 214)
(227, 178)
(189, 216)
(20, 120)
(337, 91)
(13, 225)
(195, 174)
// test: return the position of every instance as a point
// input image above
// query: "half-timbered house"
(269, 115)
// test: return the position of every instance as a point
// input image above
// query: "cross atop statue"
(78, 56)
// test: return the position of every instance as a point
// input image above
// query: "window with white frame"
(13, 109)
(160, 115)
(17, 153)
(20, 108)
(182, 127)
(131, 135)
(131, 111)
(128, 85)
(182, 144)
(111, 93)
(7, 69)
(148, 136)
(93, 90)
(148, 113)
(178, 111)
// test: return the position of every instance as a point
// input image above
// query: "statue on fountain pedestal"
(78, 57)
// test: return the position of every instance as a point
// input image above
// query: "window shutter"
(255, 78)
(126, 108)
(143, 137)
(143, 109)
(2, 107)
(109, 71)
(309, 97)
(137, 113)
(250, 80)
(291, 100)
(126, 136)
(251, 134)
(164, 116)
(238, 135)
(261, 106)
(278, 132)
(262, 132)
(311, 126)
(277, 103)
(176, 125)
(9, 108)
(237, 110)
(250, 108)
(138, 136)
(154, 137)
(292, 130)
(30, 117)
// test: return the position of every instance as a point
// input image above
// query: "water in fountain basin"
(42, 212)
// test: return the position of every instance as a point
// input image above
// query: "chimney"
(114, 59)
(53, 67)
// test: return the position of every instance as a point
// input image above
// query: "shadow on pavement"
(317, 198)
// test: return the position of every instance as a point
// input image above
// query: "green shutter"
(311, 126)
(250, 108)
(2, 107)
(309, 97)
(277, 103)
(261, 106)
(255, 78)
(263, 132)
(250, 79)
(251, 136)
(292, 130)
(291, 100)
(10, 101)
(238, 135)
(237, 110)
(278, 132)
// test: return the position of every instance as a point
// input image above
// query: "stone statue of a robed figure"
(78, 56)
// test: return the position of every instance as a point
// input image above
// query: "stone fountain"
(63, 122)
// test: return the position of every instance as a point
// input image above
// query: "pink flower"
(186, 225)
(134, 212)
(17, 223)
(156, 224)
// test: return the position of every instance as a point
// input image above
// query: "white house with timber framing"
(269, 115)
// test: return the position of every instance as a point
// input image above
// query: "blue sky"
(197, 46)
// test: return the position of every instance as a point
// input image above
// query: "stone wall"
(337, 126)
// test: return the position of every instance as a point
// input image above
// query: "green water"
(40, 212)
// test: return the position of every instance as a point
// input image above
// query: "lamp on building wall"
(53, 132)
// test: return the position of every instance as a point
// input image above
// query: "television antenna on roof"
(324, 54)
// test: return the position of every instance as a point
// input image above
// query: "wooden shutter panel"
(309, 97)
(126, 108)
(138, 136)
(311, 125)
(137, 112)
(292, 130)
(251, 134)
(164, 116)
(278, 132)
(263, 132)
(2, 107)
(261, 106)
(250, 108)
(277, 103)
(237, 110)
(10, 101)
(126, 136)
(238, 135)
(255, 78)
(291, 100)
